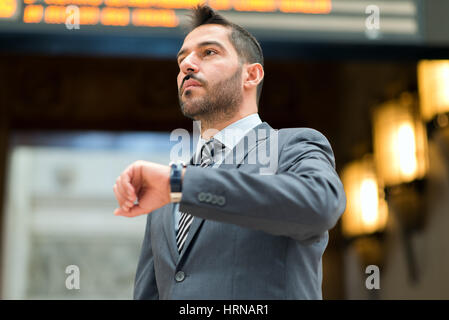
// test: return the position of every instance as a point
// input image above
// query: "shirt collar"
(233, 133)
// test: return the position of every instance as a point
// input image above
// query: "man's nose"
(190, 64)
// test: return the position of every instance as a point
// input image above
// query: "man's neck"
(210, 128)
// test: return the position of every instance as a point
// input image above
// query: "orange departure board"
(316, 19)
(141, 13)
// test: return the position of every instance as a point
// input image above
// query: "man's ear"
(253, 75)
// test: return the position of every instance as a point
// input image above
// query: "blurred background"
(89, 86)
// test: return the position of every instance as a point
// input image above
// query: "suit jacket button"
(221, 200)
(201, 196)
(180, 276)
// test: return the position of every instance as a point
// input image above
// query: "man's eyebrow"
(203, 44)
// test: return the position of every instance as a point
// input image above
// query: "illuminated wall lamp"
(400, 153)
(433, 85)
(366, 214)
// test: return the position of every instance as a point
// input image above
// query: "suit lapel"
(238, 154)
(169, 223)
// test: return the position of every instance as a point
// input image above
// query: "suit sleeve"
(145, 287)
(303, 199)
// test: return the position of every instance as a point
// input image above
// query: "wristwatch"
(176, 181)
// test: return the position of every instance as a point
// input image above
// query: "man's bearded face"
(220, 98)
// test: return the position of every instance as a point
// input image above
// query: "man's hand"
(147, 182)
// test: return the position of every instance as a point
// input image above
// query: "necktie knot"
(208, 151)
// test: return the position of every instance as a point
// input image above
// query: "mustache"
(190, 76)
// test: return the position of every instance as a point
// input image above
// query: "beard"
(221, 101)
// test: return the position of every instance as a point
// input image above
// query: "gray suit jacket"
(254, 236)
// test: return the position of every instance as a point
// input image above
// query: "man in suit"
(232, 225)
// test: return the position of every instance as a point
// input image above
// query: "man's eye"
(209, 52)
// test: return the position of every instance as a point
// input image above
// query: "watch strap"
(176, 181)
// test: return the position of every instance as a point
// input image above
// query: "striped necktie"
(207, 156)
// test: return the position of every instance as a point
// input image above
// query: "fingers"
(127, 185)
(119, 212)
(123, 191)
(123, 198)
(123, 202)
(135, 211)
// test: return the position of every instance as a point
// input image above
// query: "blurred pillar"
(4, 132)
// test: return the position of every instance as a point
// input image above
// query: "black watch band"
(176, 181)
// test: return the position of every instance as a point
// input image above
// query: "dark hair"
(246, 45)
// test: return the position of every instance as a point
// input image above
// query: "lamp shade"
(433, 85)
(400, 142)
(366, 209)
